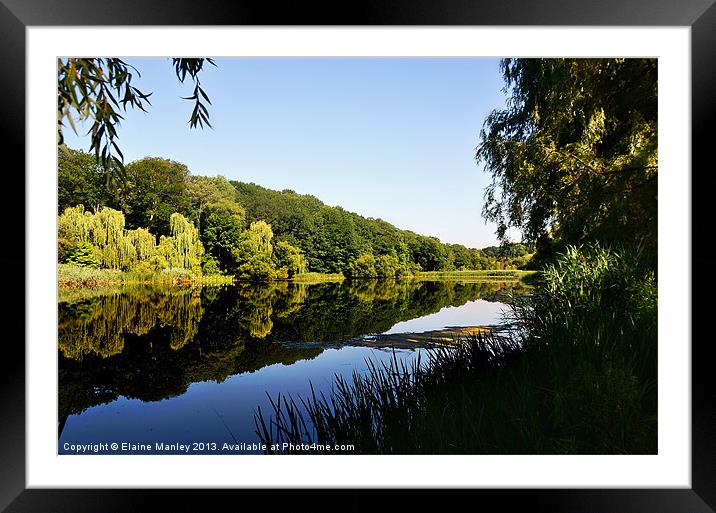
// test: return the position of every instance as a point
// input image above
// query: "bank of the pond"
(576, 376)
(499, 274)
(72, 276)
(317, 277)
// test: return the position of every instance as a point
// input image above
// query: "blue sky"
(391, 138)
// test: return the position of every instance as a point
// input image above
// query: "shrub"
(362, 267)
(210, 265)
(259, 267)
(289, 259)
(387, 266)
(83, 254)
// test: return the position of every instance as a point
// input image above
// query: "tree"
(153, 189)
(204, 190)
(188, 247)
(80, 180)
(83, 254)
(222, 224)
(387, 266)
(362, 267)
(253, 254)
(103, 231)
(107, 234)
(289, 260)
(574, 154)
(99, 89)
(429, 253)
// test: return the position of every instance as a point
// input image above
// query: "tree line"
(159, 216)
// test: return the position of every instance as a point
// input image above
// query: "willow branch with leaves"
(99, 90)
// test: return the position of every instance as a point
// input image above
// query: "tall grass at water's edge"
(577, 374)
(72, 276)
(498, 273)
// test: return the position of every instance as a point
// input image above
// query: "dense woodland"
(158, 216)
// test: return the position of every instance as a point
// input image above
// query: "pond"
(189, 366)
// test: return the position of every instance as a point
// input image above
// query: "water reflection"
(152, 343)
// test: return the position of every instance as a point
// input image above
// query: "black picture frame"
(17, 15)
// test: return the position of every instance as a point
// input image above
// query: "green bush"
(83, 254)
(387, 266)
(289, 260)
(258, 267)
(362, 267)
(210, 265)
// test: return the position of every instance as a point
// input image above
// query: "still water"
(190, 366)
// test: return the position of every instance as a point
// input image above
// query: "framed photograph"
(429, 249)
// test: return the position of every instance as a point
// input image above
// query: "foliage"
(222, 224)
(107, 234)
(153, 189)
(82, 254)
(256, 267)
(509, 255)
(362, 267)
(259, 236)
(324, 239)
(186, 241)
(200, 114)
(145, 243)
(574, 155)
(207, 190)
(289, 259)
(84, 237)
(333, 239)
(210, 265)
(81, 180)
(387, 266)
(258, 259)
(99, 89)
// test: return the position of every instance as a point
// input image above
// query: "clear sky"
(391, 138)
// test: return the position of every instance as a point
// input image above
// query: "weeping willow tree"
(137, 250)
(107, 234)
(574, 156)
(74, 224)
(166, 252)
(144, 242)
(73, 227)
(260, 235)
(104, 230)
(188, 247)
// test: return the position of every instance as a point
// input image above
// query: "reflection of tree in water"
(98, 325)
(257, 309)
(337, 312)
(135, 342)
(326, 312)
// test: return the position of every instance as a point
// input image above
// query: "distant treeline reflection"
(151, 343)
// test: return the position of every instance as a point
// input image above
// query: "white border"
(671, 468)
